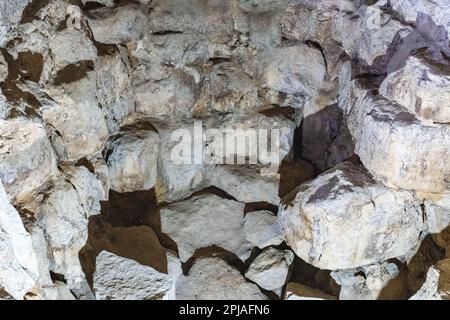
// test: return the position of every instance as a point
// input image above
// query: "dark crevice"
(83, 162)
(73, 72)
(32, 9)
(57, 277)
(260, 206)
(139, 243)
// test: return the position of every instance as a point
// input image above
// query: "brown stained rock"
(138, 243)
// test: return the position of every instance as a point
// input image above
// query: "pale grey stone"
(205, 221)
(118, 278)
(322, 218)
(213, 279)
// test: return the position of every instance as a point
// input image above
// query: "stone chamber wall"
(93, 207)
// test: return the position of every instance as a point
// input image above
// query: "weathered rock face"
(118, 278)
(132, 160)
(421, 87)
(115, 182)
(26, 158)
(437, 284)
(213, 279)
(262, 230)
(384, 130)
(315, 220)
(270, 269)
(205, 221)
(18, 266)
(368, 282)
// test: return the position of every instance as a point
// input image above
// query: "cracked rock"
(321, 219)
(118, 278)
(205, 221)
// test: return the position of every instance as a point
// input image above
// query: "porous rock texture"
(114, 180)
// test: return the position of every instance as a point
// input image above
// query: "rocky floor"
(92, 205)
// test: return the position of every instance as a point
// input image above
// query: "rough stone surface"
(296, 291)
(111, 113)
(315, 220)
(213, 279)
(18, 263)
(205, 221)
(262, 230)
(366, 283)
(384, 130)
(422, 87)
(270, 268)
(27, 160)
(118, 278)
(132, 160)
(437, 284)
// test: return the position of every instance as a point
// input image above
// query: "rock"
(430, 18)
(27, 160)
(64, 216)
(132, 160)
(262, 230)
(158, 56)
(18, 266)
(89, 188)
(70, 46)
(287, 74)
(270, 268)
(79, 128)
(244, 183)
(368, 282)
(232, 90)
(3, 69)
(114, 91)
(326, 140)
(421, 87)
(119, 25)
(205, 221)
(297, 291)
(177, 180)
(384, 130)
(172, 97)
(211, 278)
(118, 278)
(196, 16)
(11, 14)
(437, 210)
(437, 284)
(63, 291)
(321, 219)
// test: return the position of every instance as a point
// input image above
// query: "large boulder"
(421, 86)
(204, 221)
(322, 218)
(382, 129)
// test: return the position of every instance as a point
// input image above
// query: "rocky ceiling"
(93, 205)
